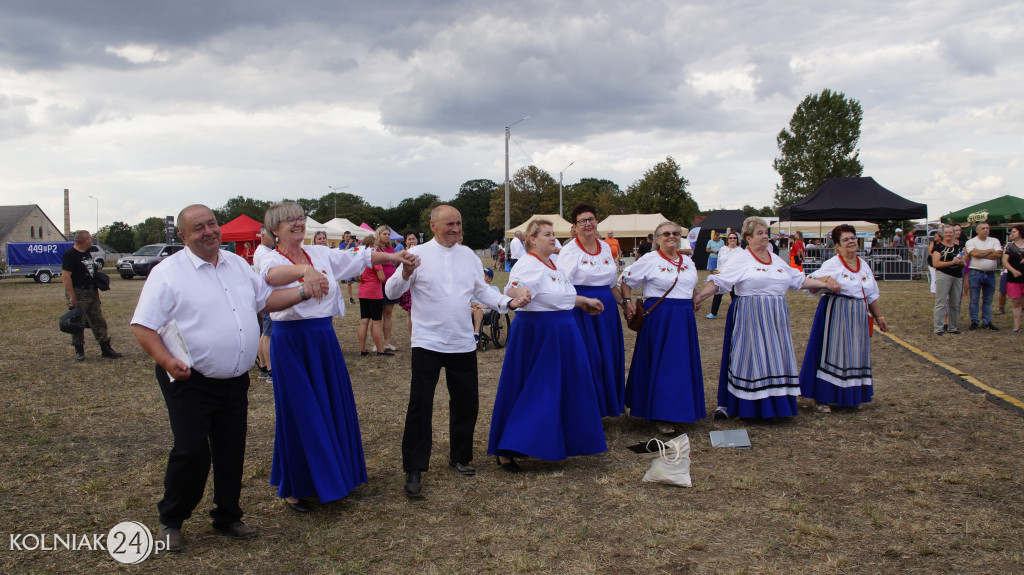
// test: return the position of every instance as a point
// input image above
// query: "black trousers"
(208, 420)
(464, 405)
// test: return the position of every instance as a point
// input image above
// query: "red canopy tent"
(242, 230)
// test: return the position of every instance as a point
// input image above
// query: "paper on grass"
(737, 438)
(175, 342)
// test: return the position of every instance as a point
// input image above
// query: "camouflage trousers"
(92, 315)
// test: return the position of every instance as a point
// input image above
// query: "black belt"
(983, 272)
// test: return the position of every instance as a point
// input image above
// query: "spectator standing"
(1013, 262)
(897, 239)
(798, 252)
(516, 249)
(386, 324)
(713, 246)
(266, 324)
(731, 248)
(948, 260)
(645, 246)
(79, 278)
(371, 304)
(495, 248)
(984, 252)
(348, 242)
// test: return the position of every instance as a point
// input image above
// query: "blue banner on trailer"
(21, 254)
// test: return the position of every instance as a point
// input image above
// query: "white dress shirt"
(516, 249)
(441, 289)
(335, 264)
(215, 309)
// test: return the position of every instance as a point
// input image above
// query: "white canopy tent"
(562, 227)
(630, 225)
(822, 229)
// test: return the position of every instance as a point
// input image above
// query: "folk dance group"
(564, 365)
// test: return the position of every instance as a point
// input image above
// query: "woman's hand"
(628, 309)
(883, 325)
(592, 306)
(833, 285)
(317, 282)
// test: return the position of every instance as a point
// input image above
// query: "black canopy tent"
(718, 220)
(852, 199)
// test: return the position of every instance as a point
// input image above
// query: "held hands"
(833, 285)
(317, 283)
(407, 259)
(629, 309)
(520, 297)
(592, 306)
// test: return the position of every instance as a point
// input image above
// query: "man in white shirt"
(984, 252)
(212, 296)
(447, 276)
(516, 249)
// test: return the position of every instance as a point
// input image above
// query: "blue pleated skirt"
(837, 364)
(317, 446)
(545, 405)
(602, 336)
(666, 382)
(759, 376)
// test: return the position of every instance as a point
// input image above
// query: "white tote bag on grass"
(671, 463)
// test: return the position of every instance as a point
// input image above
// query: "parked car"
(142, 262)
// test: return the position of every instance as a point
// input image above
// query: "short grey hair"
(80, 236)
(657, 232)
(750, 226)
(276, 214)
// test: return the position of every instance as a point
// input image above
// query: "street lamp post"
(336, 199)
(97, 215)
(560, 189)
(508, 134)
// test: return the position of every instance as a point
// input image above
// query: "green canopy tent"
(1003, 209)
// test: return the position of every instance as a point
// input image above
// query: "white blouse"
(858, 284)
(584, 269)
(333, 263)
(656, 273)
(549, 288)
(751, 277)
(725, 253)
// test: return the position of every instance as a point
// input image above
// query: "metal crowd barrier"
(888, 264)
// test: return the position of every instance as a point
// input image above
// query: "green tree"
(821, 143)
(765, 212)
(239, 205)
(474, 202)
(150, 231)
(531, 191)
(662, 189)
(120, 237)
(605, 195)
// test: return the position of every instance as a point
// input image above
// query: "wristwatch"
(624, 300)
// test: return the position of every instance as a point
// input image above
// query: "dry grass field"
(925, 479)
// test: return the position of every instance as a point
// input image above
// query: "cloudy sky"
(149, 106)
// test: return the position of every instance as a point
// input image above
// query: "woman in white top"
(545, 406)
(588, 264)
(317, 446)
(731, 247)
(666, 382)
(837, 363)
(759, 376)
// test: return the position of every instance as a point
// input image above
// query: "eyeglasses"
(733, 239)
(671, 234)
(586, 221)
(294, 220)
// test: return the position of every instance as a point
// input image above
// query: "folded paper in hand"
(175, 342)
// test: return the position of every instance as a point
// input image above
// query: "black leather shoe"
(974, 326)
(511, 466)
(236, 530)
(108, 351)
(413, 485)
(299, 506)
(79, 353)
(171, 536)
(989, 326)
(462, 468)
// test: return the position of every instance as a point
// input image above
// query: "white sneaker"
(373, 349)
(710, 316)
(390, 347)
